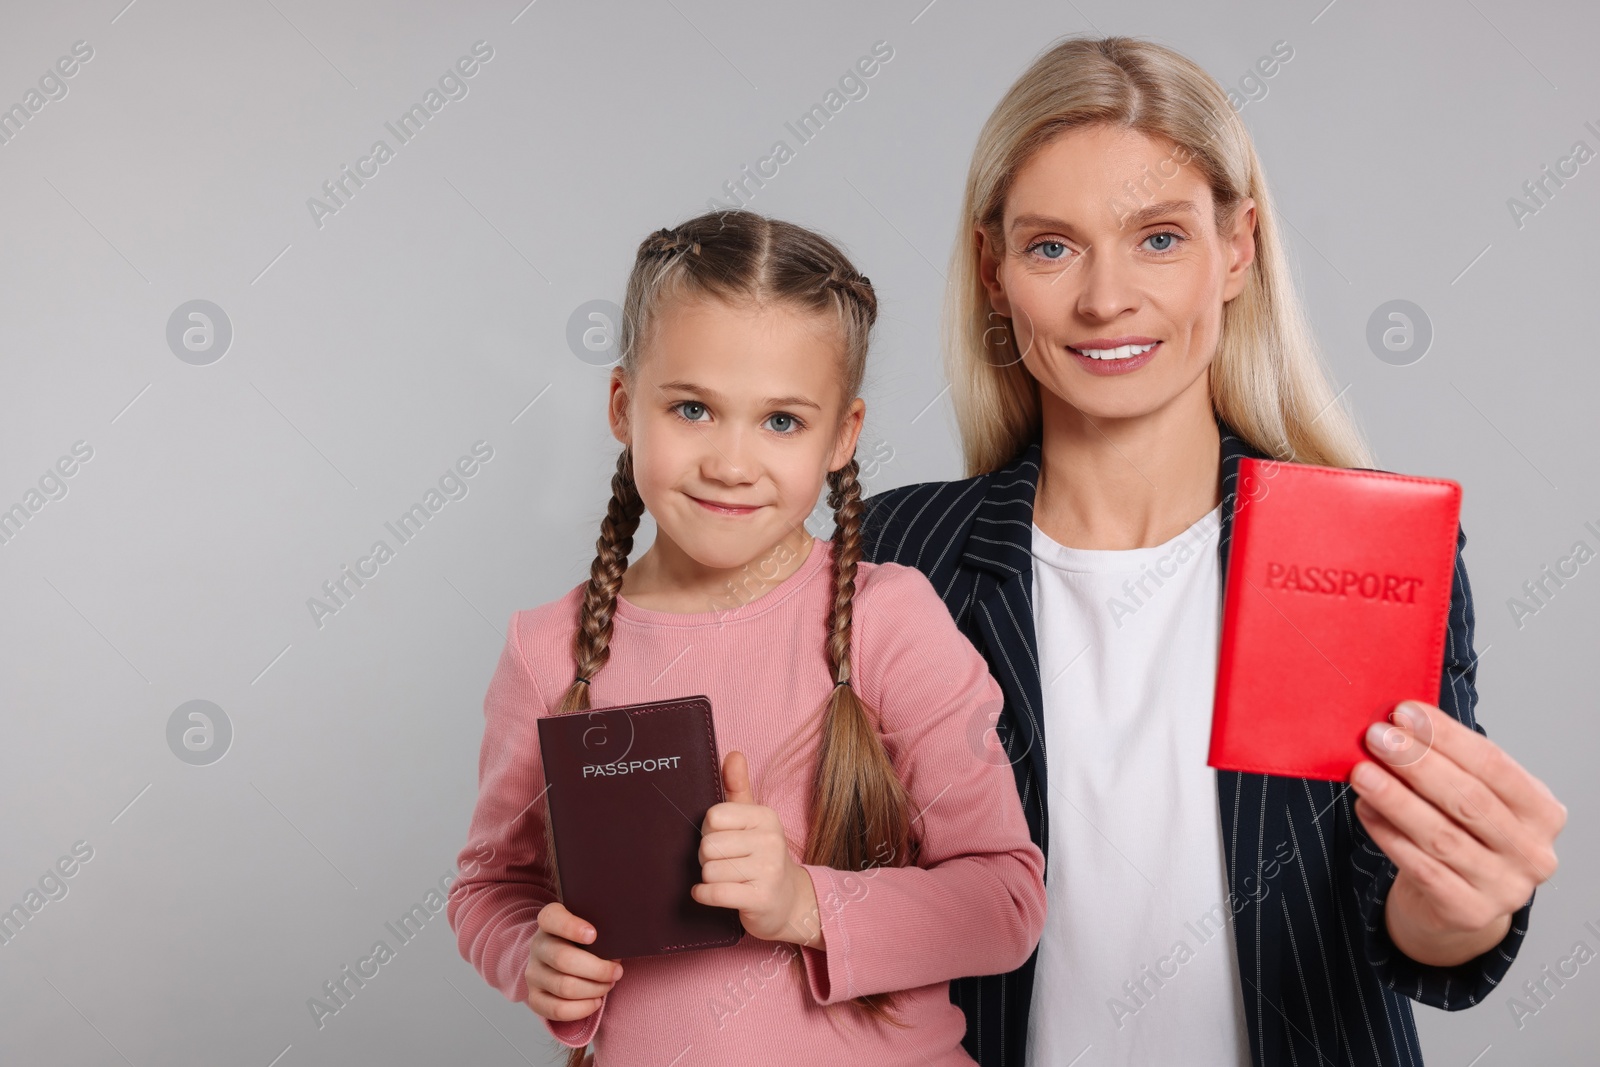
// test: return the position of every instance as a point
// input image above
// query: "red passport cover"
(1335, 609)
(629, 787)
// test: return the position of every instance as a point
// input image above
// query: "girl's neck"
(666, 578)
(1127, 483)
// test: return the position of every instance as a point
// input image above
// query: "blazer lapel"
(999, 549)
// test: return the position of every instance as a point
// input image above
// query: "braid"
(855, 286)
(591, 644)
(844, 497)
(859, 804)
(667, 242)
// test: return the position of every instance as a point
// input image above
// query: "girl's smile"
(725, 509)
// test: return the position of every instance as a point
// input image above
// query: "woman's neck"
(1127, 483)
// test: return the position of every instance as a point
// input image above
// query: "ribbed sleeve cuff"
(828, 970)
(576, 1033)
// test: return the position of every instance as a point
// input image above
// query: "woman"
(1123, 329)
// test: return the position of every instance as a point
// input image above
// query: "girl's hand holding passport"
(745, 865)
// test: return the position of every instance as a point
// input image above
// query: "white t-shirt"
(1137, 964)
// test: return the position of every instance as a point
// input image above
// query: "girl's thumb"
(736, 779)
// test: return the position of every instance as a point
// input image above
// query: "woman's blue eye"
(1052, 244)
(1173, 239)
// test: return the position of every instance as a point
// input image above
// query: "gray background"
(432, 312)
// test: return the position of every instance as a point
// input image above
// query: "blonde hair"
(1267, 381)
(859, 809)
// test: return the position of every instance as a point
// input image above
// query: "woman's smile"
(1115, 355)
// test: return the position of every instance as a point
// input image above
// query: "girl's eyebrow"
(1148, 213)
(716, 397)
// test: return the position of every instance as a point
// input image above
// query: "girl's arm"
(976, 903)
(494, 903)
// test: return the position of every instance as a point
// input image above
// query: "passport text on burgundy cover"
(629, 787)
(1335, 609)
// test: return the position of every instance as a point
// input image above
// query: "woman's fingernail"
(1410, 716)
(1384, 739)
(1367, 778)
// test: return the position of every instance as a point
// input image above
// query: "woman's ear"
(1241, 244)
(617, 407)
(989, 259)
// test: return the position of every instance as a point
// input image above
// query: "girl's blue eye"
(1174, 239)
(788, 426)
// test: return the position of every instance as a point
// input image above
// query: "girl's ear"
(849, 433)
(617, 408)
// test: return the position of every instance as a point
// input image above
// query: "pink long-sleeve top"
(975, 904)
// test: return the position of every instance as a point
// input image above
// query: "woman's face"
(735, 416)
(1113, 273)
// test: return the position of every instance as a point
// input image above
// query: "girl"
(1125, 329)
(871, 848)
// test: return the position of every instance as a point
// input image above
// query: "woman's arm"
(976, 903)
(1465, 836)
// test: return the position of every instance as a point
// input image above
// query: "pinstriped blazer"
(1321, 980)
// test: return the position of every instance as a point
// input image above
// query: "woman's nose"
(1106, 286)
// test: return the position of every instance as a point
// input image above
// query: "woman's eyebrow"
(1148, 213)
(1161, 209)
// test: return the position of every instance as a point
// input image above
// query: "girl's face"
(1113, 273)
(736, 416)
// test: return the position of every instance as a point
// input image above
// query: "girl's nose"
(725, 459)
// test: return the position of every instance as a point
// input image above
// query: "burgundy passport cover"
(629, 787)
(1337, 598)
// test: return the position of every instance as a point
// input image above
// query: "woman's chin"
(1121, 398)
(1109, 405)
